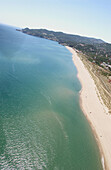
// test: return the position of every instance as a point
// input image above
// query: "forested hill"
(96, 50)
(60, 36)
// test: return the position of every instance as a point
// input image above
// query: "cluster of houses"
(106, 66)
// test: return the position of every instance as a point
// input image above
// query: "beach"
(94, 110)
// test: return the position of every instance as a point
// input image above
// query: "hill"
(60, 36)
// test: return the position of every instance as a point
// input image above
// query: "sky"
(90, 18)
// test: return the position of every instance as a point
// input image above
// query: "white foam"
(102, 161)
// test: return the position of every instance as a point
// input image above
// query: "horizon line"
(56, 30)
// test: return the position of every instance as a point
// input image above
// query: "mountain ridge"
(71, 37)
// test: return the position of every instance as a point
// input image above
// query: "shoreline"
(94, 110)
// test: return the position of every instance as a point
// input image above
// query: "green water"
(41, 124)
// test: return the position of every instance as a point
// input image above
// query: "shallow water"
(41, 123)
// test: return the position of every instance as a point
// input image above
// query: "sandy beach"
(95, 111)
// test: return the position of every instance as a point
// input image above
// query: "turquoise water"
(41, 123)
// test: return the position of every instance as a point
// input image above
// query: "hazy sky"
(84, 17)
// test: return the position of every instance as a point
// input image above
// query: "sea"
(42, 126)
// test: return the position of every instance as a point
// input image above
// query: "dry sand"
(95, 111)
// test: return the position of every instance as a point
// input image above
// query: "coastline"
(94, 110)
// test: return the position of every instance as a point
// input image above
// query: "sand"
(95, 110)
